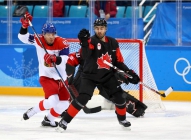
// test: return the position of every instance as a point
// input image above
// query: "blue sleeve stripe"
(64, 51)
(31, 38)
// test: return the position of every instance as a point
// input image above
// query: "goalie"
(133, 105)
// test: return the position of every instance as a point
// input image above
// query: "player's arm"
(23, 35)
(120, 61)
(63, 54)
(74, 59)
(120, 64)
(85, 42)
(62, 58)
(72, 62)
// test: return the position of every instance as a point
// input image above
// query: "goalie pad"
(134, 106)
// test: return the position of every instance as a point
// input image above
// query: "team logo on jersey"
(99, 46)
(100, 61)
(65, 42)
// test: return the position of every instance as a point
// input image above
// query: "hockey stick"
(70, 70)
(47, 53)
(86, 110)
(166, 93)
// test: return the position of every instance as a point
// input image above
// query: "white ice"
(172, 124)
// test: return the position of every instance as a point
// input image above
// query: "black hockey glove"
(121, 78)
(135, 79)
(70, 70)
(83, 36)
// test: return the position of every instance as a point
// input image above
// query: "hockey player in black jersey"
(94, 51)
(133, 105)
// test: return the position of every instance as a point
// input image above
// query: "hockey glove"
(84, 36)
(70, 70)
(49, 59)
(121, 78)
(135, 78)
(25, 20)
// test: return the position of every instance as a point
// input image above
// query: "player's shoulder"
(61, 42)
(59, 39)
(111, 38)
(37, 36)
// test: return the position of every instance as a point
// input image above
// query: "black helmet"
(100, 22)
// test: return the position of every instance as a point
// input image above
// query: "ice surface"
(173, 124)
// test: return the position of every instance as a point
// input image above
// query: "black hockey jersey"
(94, 68)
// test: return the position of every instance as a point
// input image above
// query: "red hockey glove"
(25, 20)
(49, 59)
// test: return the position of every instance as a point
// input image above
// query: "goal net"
(135, 58)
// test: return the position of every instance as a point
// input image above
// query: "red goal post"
(134, 54)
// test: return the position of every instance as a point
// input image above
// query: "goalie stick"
(86, 110)
(166, 93)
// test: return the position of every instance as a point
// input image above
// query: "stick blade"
(168, 91)
(92, 110)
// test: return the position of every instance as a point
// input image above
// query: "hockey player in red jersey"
(56, 97)
(94, 51)
(133, 105)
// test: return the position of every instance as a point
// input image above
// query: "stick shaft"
(53, 63)
(86, 110)
(109, 64)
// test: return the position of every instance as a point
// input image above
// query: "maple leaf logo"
(100, 61)
(131, 107)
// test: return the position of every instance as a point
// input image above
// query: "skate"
(62, 125)
(62, 115)
(29, 113)
(46, 122)
(124, 123)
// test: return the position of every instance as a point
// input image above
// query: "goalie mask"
(48, 28)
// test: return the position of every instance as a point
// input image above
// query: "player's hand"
(83, 35)
(49, 59)
(25, 20)
(135, 78)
